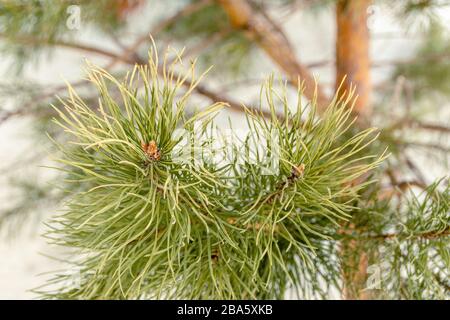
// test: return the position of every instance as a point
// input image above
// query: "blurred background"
(397, 53)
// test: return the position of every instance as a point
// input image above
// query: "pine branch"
(397, 188)
(275, 43)
(416, 124)
(26, 109)
(30, 40)
(425, 236)
(238, 231)
(407, 243)
(190, 8)
(202, 90)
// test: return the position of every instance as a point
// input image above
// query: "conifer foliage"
(295, 199)
(149, 225)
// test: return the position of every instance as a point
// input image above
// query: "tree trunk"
(352, 52)
(353, 64)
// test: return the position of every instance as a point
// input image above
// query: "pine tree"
(158, 200)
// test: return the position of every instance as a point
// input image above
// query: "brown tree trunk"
(353, 64)
(352, 52)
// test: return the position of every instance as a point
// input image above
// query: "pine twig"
(213, 96)
(31, 40)
(188, 9)
(275, 43)
(427, 235)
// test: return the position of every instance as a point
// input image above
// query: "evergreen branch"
(407, 243)
(32, 40)
(207, 42)
(415, 124)
(426, 235)
(429, 235)
(437, 58)
(430, 126)
(25, 109)
(148, 226)
(202, 90)
(187, 10)
(397, 188)
(425, 145)
(274, 42)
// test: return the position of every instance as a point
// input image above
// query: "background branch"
(273, 41)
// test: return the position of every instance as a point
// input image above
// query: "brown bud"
(151, 150)
(297, 171)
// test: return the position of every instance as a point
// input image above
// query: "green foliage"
(148, 226)
(407, 242)
(209, 19)
(144, 225)
(429, 71)
(30, 199)
(29, 26)
(416, 9)
(230, 55)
